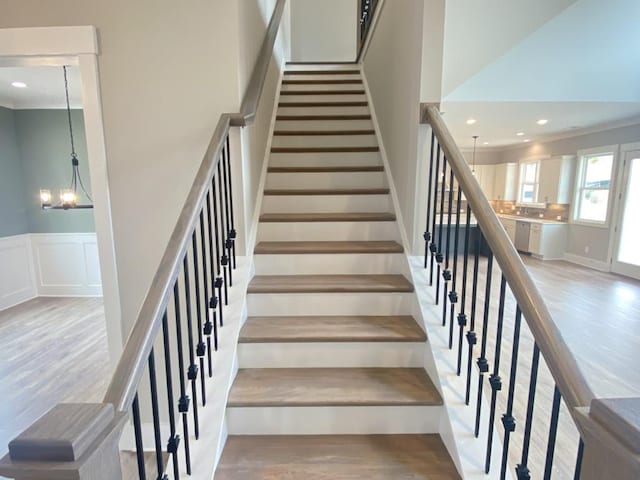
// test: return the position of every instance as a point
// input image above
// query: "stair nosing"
(317, 217)
(288, 118)
(390, 247)
(322, 72)
(278, 284)
(322, 133)
(325, 192)
(323, 92)
(354, 169)
(345, 149)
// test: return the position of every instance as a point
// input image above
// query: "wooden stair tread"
(322, 72)
(328, 191)
(329, 284)
(323, 92)
(336, 457)
(297, 387)
(372, 168)
(327, 217)
(321, 117)
(354, 81)
(129, 464)
(322, 104)
(318, 133)
(292, 248)
(331, 329)
(324, 149)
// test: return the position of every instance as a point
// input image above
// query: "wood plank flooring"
(331, 329)
(336, 457)
(277, 387)
(329, 284)
(52, 350)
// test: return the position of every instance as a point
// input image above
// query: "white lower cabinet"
(548, 240)
(510, 226)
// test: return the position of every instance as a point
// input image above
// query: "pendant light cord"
(475, 141)
(66, 90)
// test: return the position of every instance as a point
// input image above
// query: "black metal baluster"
(232, 233)
(494, 380)
(553, 433)
(522, 471)
(137, 429)
(174, 440)
(453, 294)
(433, 247)
(439, 254)
(427, 232)
(228, 244)
(215, 302)
(207, 256)
(220, 282)
(156, 415)
(462, 316)
(446, 274)
(472, 336)
(224, 261)
(200, 348)
(183, 403)
(483, 365)
(578, 471)
(508, 422)
(192, 372)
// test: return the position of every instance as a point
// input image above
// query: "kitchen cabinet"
(485, 174)
(548, 240)
(556, 179)
(505, 182)
(510, 227)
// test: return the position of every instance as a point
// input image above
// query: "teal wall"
(42, 138)
(13, 210)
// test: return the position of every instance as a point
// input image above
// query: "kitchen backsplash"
(553, 211)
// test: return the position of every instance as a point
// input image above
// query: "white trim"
(78, 45)
(588, 262)
(629, 147)
(17, 280)
(387, 167)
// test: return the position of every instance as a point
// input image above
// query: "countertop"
(531, 220)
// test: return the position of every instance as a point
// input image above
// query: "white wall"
(324, 31)
(48, 265)
(393, 68)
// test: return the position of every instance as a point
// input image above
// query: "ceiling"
(45, 87)
(573, 62)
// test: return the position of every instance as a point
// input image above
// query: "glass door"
(626, 260)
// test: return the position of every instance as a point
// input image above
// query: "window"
(594, 186)
(529, 178)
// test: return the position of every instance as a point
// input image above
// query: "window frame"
(521, 177)
(581, 170)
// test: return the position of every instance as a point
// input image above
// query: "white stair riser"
(333, 420)
(325, 203)
(325, 141)
(331, 76)
(330, 304)
(310, 264)
(325, 87)
(324, 125)
(331, 355)
(323, 111)
(357, 159)
(324, 98)
(327, 231)
(326, 180)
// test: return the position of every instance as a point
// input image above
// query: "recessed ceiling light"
(19, 85)
(486, 143)
(526, 140)
(520, 134)
(542, 121)
(471, 121)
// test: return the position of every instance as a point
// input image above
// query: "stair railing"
(454, 198)
(187, 302)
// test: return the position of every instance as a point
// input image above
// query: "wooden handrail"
(364, 47)
(562, 364)
(125, 380)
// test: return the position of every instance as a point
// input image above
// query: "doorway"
(626, 258)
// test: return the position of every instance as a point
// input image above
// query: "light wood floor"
(599, 317)
(52, 350)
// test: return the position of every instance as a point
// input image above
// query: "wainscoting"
(48, 265)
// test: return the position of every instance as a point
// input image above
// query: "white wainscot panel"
(16, 272)
(66, 264)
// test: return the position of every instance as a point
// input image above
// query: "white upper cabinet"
(485, 174)
(556, 179)
(505, 185)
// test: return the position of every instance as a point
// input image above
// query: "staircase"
(331, 380)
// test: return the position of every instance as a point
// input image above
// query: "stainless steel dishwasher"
(522, 236)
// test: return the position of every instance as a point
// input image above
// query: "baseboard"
(17, 279)
(588, 262)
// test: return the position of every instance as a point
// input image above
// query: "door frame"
(78, 45)
(620, 200)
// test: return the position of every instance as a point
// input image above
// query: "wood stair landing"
(329, 284)
(336, 457)
(129, 465)
(309, 329)
(292, 248)
(345, 387)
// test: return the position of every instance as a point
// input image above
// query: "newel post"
(72, 441)
(611, 434)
